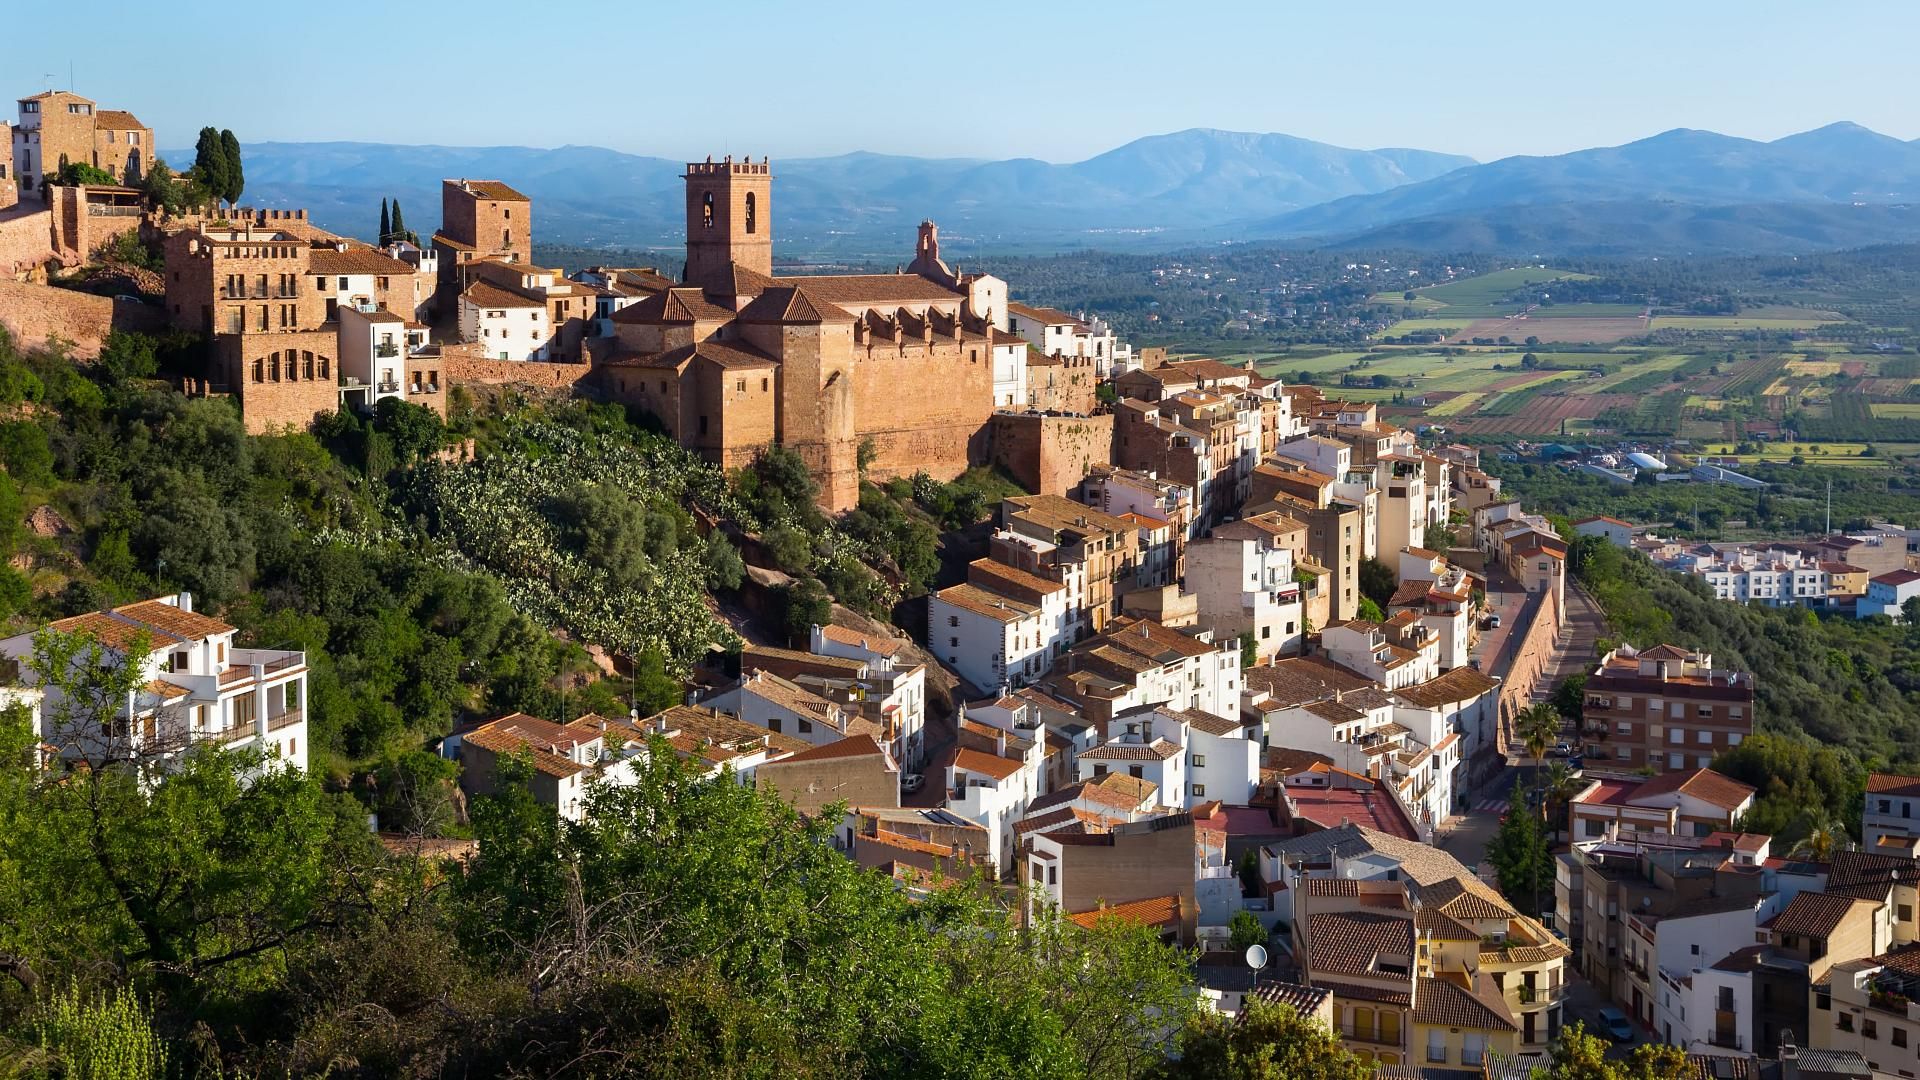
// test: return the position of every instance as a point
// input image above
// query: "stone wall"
(463, 369)
(1528, 659)
(34, 314)
(1050, 454)
(26, 241)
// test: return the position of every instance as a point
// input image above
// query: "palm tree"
(1561, 785)
(1819, 845)
(1537, 727)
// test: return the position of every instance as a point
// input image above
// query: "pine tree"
(399, 224)
(236, 174)
(1521, 857)
(386, 227)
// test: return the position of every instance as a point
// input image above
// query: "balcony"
(387, 387)
(1371, 1036)
(286, 719)
(386, 350)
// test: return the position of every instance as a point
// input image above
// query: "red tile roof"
(1156, 911)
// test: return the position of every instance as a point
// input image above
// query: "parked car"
(1560, 749)
(1577, 762)
(1491, 622)
(912, 782)
(1614, 1025)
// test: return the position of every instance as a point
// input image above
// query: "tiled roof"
(719, 727)
(1460, 684)
(908, 843)
(676, 305)
(873, 643)
(1202, 720)
(1156, 911)
(111, 632)
(1157, 750)
(864, 289)
(1442, 1003)
(851, 746)
(173, 620)
(1443, 927)
(1464, 897)
(790, 696)
(1352, 942)
(1360, 992)
(1303, 1000)
(792, 305)
(981, 602)
(1062, 515)
(1011, 580)
(1853, 868)
(1116, 790)
(494, 189)
(1892, 784)
(116, 120)
(1706, 785)
(356, 260)
(1813, 914)
(507, 740)
(488, 295)
(1298, 681)
(1044, 315)
(985, 764)
(167, 690)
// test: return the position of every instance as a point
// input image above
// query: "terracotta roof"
(1892, 784)
(907, 843)
(1359, 992)
(488, 295)
(1301, 680)
(1442, 926)
(1663, 652)
(1704, 784)
(677, 305)
(175, 621)
(492, 189)
(1011, 580)
(1044, 315)
(1063, 816)
(356, 260)
(1202, 720)
(1115, 790)
(851, 746)
(1443, 1003)
(976, 761)
(1813, 914)
(116, 120)
(508, 739)
(111, 632)
(981, 602)
(166, 690)
(1157, 750)
(1356, 942)
(719, 727)
(861, 290)
(790, 696)
(1460, 684)
(1156, 911)
(1062, 515)
(873, 643)
(1303, 1000)
(792, 305)
(1897, 577)
(1464, 897)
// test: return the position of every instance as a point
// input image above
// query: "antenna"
(1829, 506)
(1256, 959)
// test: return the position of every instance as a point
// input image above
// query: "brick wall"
(1529, 658)
(36, 313)
(812, 785)
(26, 241)
(1050, 454)
(463, 369)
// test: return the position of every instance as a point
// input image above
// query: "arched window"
(751, 212)
(706, 210)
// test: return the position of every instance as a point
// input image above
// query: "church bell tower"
(729, 220)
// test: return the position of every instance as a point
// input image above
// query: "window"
(1906, 913)
(1053, 875)
(1135, 772)
(1199, 791)
(1436, 1046)
(1676, 735)
(1099, 770)
(1898, 1035)
(1199, 761)
(953, 643)
(953, 620)
(1869, 1028)
(706, 210)
(1844, 1021)
(752, 216)
(1733, 739)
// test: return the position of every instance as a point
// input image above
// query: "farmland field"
(1900, 411)
(1760, 319)
(1480, 297)
(1563, 327)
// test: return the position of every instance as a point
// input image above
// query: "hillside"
(1165, 186)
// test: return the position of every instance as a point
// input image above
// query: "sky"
(1059, 80)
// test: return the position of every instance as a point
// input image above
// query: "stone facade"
(1062, 383)
(283, 380)
(737, 358)
(479, 220)
(57, 127)
(35, 314)
(1049, 455)
(26, 242)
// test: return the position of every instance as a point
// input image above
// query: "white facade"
(1010, 374)
(1890, 820)
(993, 790)
(1888, 593)
(505, 325)
(1243, 581)
(993, 640)
(197, 687)
(373, 356)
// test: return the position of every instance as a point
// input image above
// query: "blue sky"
(1053, 80)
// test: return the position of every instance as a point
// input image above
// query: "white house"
(993, 788)
(1401, 652)
(1890, 821)
(784, 707)
(1009, 373)
(1613, 530)
(1001, 627)
(196, 687)
(896, 686)
(1888, 592)
(1139, 662)
(506, 325)
(1678, 950)
(1242, 577)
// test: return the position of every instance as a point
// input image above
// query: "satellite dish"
(1256, 956)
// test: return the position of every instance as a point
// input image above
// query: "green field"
(1889, 411)
(1455, 406)
(1479, 297)
(1586, 311)
(1765, 319)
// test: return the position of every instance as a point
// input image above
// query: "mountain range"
(1676, 192)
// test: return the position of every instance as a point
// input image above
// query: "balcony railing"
(1369, 1035)
(386, 349)
(286, 719)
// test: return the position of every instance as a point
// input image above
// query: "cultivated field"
(1479, 297)
(1563, 326)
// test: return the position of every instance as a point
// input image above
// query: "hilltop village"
(1244, 665)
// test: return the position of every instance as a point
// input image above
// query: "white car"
(912, 782)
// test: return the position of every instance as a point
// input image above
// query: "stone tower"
(729, 219)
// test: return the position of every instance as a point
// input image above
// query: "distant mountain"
(1837, 165)
(1635, 228)
(1166, 188)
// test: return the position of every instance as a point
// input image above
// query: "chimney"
(184, 601)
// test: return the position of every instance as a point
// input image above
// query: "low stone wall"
(1049, 454)
(26, 241)
(1528, 659)
(464, 369)
(35, 314)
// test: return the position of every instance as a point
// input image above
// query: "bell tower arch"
(729, 219)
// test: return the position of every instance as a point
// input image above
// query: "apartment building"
(1774, 575)
(1003, 626)
(1337, 528)
(1402, 651)
(1441, 596)
(892, 691)
(1056, 333)
(1243, 578)
(1664, 708)
(1095, 554)
(1871, 1007)
(1119, 492)
(1887, 594)
(1680, 803)
(198, 688)
(1159, 859)
(1140, 662)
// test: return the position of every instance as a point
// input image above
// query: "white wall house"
(899, 687)
(505, 324)
(1890, 821)
(1887, 593)
(373, 356)
(993, 789)
(993, 639)
(1243, 581)
(1009, 373)
(197, 688)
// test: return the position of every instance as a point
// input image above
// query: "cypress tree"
(399, 223)
(236, 175)
(210, 162)
(386, 228)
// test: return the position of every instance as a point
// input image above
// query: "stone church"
(736, 358)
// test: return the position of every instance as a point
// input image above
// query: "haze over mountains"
(1677, 192)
